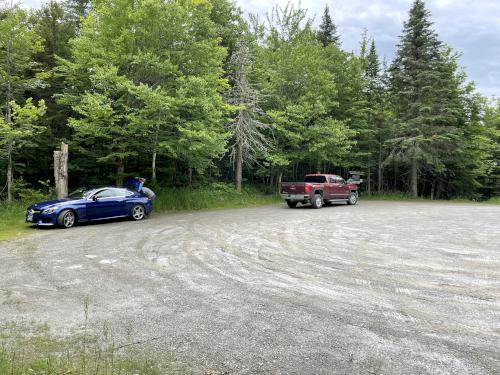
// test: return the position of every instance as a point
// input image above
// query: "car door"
(106, 203)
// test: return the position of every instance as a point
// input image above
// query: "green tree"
(378, 116)
(164, 51)
(300, 94)
(491, 121)
(327, 33)
(425, 97)
(18, 44)
(18, 131)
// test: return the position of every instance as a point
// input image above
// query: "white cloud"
(469, 27)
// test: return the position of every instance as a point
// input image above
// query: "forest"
(193, 92)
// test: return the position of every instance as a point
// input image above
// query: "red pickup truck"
(319, 189)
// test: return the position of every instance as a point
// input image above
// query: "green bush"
(216, 195)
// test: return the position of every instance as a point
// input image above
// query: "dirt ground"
(377, 288)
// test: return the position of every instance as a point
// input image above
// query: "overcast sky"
(471, 27)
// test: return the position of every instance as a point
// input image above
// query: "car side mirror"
(94, 198)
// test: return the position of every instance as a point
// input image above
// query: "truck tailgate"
(293, 187)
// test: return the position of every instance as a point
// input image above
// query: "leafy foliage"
(186, 90)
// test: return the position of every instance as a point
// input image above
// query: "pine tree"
(425, 97)
(327, 33)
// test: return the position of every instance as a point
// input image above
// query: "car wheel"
(291, 204)
(138, 212)
(66, 219)
(317, 201)
(353, 199)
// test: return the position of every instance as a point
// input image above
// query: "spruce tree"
(327, 33)
(425, 97)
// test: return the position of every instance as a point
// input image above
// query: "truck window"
(315, 179)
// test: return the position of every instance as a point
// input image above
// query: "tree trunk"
(120, 171)
(190, 177)
(379, 179)
(10, 178)
(280, 176)
(414, 178)
(153, 168)
(239, 167)
(396, 171)
(439, 190)
(433, 187)
(369, 181)
(61, 171)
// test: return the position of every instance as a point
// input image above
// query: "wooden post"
(61, 171)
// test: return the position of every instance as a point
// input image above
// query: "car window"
(332, 180)
(123, 193)
(106, 193)
(80, 194)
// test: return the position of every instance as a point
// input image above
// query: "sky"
(471, 27)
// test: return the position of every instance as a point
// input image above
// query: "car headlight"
(49, 210)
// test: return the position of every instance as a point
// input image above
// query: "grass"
(217, 196)
(494, 200)
(12, 220)
(33, 350)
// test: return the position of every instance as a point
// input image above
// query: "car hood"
(55, 202)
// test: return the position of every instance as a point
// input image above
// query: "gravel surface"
(377, 288)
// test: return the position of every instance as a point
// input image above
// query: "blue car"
(92, 204)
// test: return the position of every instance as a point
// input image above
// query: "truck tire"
(353, 199)
(317, 201)
(291, 204)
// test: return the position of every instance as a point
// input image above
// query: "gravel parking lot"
(377, 288)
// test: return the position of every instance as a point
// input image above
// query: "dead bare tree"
(249, 139)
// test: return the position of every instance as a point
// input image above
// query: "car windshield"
(315, 179)
(80, 194)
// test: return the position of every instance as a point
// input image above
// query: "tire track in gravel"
(376, 288)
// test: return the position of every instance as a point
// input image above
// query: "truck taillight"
(308, 189)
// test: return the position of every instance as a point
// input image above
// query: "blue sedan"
(92, 204)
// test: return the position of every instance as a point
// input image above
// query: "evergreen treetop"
(327, 33)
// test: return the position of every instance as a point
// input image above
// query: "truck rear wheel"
(317, 201)
(291, 204)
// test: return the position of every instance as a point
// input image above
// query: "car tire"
(317, 201)
(66, 219)
(353, 199)
(138, 212)
(291, 204)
